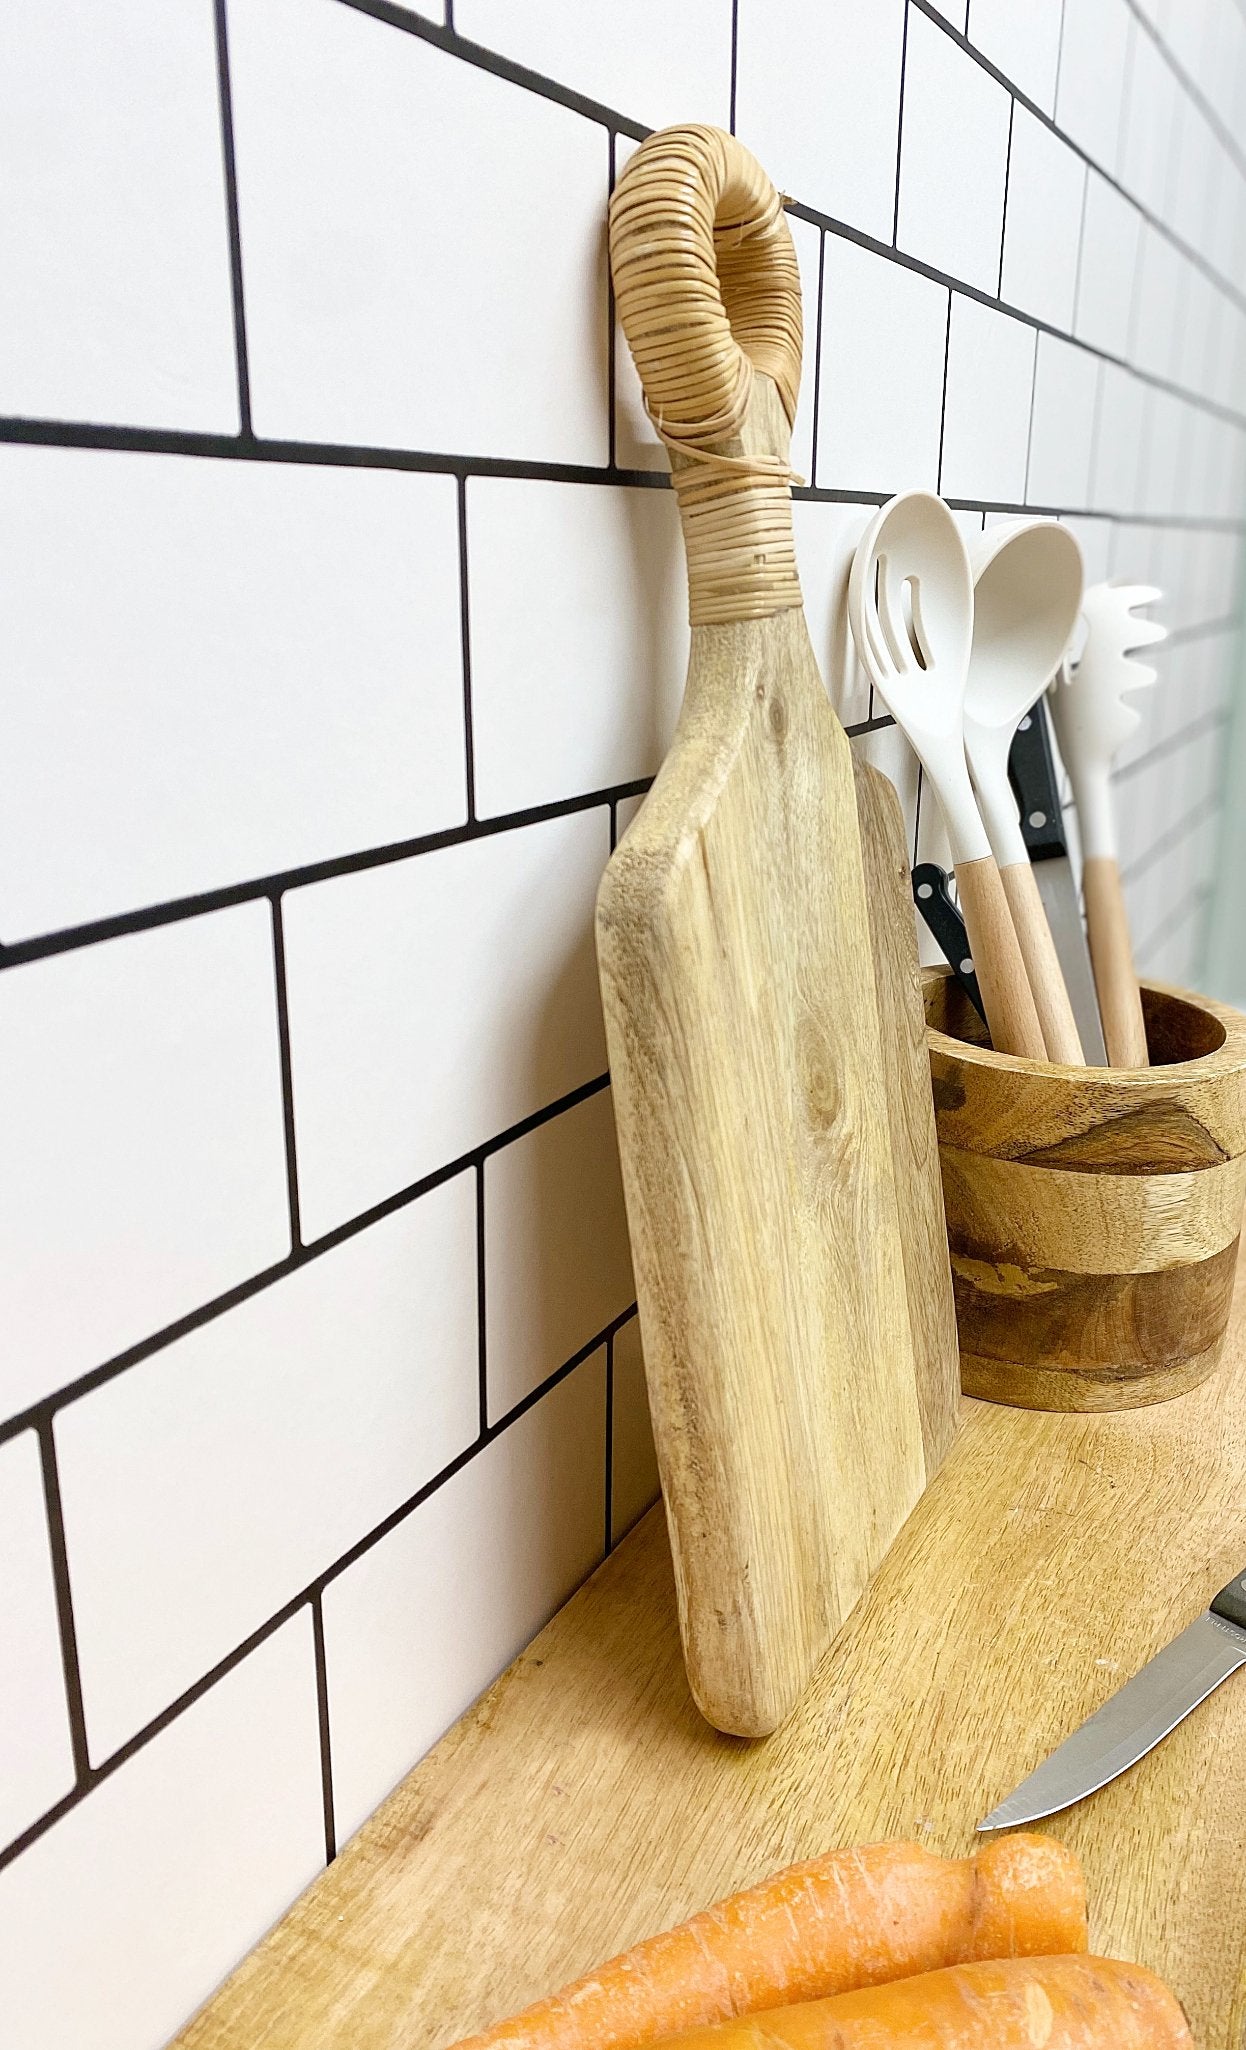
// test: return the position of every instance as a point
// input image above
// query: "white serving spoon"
(1092, 723)
(1027, 595)
(910, 603)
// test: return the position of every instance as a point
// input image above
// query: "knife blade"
(1135, 1719)
(1032, 769)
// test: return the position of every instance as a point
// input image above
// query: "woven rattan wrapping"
(708, 293)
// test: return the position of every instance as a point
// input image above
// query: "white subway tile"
(633, 1461)
(1161, 304)
(1148, 127)
(650, 61)
(420, 1625)
(1090, 95)
(206, 1487)
(1066, 384)
(1119, 441)
(1094, 539)
(123, 1918)
(579, 625)
(423, 244)
(818, 101)
(1108, 272)
(953, 158)
(113, 241)
(989, 381)
(826, 541)
(1195, 175)
(624, 812)
(558, 1266)
(887, 749)
(36, 1758)
(1046, 188)
(1168, 453)
(437, 1001)
(140, 1099)
(238, 721)
(1022, 39)
(883, 334)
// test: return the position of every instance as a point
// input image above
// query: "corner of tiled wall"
(341, 631)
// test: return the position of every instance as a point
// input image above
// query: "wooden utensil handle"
(1111, 956)
(708, 294)
(1042, 964)
(998, 962)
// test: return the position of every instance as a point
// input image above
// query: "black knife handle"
(934, 900)
(1231, 1602)
(1032, 769)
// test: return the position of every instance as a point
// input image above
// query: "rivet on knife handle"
(933, 898)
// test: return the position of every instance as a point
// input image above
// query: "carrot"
(853, 1918)
(1040, 2003)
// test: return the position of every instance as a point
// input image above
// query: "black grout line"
(287, 1071)
(917, 813)
(64, 1603)
(39, 948)
(612, 399)
(1029, 431)
(322, 1711)
(207, 1313)
(1195, 256)
(1055, 87)
(904, 58)
(231, 215)
(312, 1592)
(1196, 730)
(482, 1323)
(609, 1533)
(1003, 221)
(1081, 237)
(1193, 91)
(465, 641)
(817, 363)
(735, 62)
(947, 358)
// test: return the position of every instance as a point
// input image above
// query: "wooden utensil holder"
(1093, 1213)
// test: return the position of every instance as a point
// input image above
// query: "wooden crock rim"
(1227, 1059)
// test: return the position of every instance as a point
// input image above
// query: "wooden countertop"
(583, 1803)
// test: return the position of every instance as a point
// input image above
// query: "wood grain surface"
(742, 1022)
(584, 1803)
(910, 1109)
(1092, 1216)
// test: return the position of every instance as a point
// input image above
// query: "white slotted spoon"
(1092, 723)
(910, 603)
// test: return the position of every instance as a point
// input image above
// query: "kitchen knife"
(1137, 1716)
(1032, 769)
(933, 898)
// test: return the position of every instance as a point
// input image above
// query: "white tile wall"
(953, 163)
(634, 1466)
(421, 1623)
(352, 143)
(114, 246)
(36, 1756)
(208, 1486)
(818, 96)
(579, 630)
(174, 629)
(1022, 39)
(437, 1001)
(140, 1099)
(338, 639)
(557, 1266)
(124, 1916)
(1046, 191)
(884, 331)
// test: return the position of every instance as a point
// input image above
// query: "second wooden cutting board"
(751, 1070)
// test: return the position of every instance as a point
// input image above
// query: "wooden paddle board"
(746, 1046)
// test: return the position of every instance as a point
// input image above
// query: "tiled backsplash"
(341, 629)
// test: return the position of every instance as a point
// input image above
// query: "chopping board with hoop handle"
(798, 1408)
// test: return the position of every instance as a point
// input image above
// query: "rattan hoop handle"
(708, 294)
